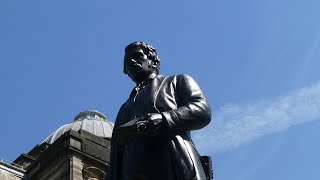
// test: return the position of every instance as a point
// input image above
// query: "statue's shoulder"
(176, 76)
(180, 77)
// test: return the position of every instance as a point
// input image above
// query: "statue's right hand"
(149, 124)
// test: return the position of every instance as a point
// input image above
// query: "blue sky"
(256, 61)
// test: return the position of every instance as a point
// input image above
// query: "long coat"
(171, 153)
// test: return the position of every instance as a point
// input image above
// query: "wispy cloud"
(235, 124)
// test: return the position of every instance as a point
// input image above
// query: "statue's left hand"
(149, 124)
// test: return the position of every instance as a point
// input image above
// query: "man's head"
(140, 61)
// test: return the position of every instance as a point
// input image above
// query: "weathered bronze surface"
(151, 138)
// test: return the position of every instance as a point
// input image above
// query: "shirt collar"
(143, 84)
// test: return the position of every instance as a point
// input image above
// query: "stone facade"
(10, 172)
(74, 156)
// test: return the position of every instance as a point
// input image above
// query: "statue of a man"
(151, 138)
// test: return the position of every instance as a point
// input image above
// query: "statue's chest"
(140, 104)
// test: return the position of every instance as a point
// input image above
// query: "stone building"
(75, 151)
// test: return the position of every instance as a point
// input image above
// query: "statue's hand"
(149, 124)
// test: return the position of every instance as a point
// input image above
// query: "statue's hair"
(150, 51)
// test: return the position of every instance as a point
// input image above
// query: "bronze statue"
(151, 138)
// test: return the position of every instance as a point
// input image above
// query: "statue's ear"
(154, 64)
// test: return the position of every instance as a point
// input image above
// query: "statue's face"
(137, 65)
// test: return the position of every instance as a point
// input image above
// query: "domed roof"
(91, 121)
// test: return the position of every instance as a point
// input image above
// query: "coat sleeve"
(116, 150)
(193, 111)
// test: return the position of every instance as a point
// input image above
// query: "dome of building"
(91, 121)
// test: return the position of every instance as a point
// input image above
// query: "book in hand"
(129, 128)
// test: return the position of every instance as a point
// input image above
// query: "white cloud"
(234, 124)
